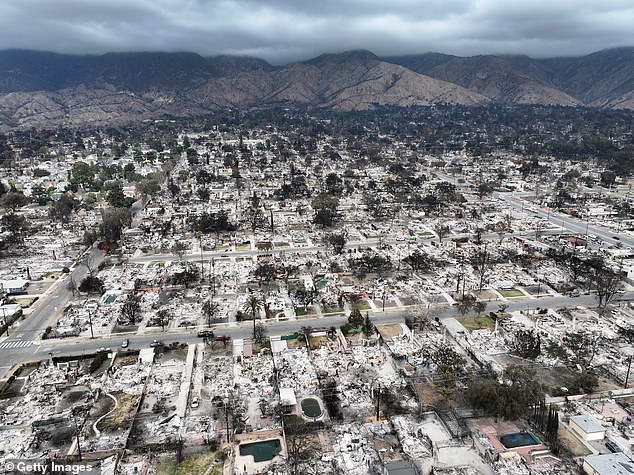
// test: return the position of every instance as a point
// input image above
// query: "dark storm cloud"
(285, 30)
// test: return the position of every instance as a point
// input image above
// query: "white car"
(195, 402)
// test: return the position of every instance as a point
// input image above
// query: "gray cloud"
(287, 30)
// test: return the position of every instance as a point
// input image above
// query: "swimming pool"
(311, 407)
(262, 451)
(518, 439)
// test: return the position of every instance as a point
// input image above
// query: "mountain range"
(42, 89)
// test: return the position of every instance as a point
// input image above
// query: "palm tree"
(252, 305)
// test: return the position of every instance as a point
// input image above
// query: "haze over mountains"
(42, 89)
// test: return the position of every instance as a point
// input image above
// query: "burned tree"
(131, 309)
(526, 344)
(481, 262)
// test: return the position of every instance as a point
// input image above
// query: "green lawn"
(361, 305)
(477, 323)
(511, 293)
(300, 311)
(335, 309)
(196, 464)
(316, 341)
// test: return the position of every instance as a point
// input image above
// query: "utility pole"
(378, 403)
(227, 420)
(213, 277)
(92, 335)
(75, 413)
(4, 316)
(202, 259)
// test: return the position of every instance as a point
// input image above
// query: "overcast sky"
(287, 30)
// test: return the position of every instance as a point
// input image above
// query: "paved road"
(573, 225)
(26, 333)
(23, 344)
(77, 346)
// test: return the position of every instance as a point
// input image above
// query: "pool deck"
(492, 430)
(258, 435)
(299, 409)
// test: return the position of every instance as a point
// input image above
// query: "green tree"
(39, 173)
(368, 326)
(13, 200)
(419, 261)
(91, 284)
(128, 171)
(325, 208)
(337, 241)
(113, 221)
(116, 197)
(62, 209)
(16, 225)
(508, 396)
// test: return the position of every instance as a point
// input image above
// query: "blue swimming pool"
(518, 439)
(262, 451)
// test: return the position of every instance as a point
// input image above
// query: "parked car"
(195, 402)
(125, 343)
(156, 343)
(613, 446)
(206, 334)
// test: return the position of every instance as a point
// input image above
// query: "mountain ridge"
(40, 88)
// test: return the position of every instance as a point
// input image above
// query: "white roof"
(611, 464)
(13, 283)
(287, 397)
(10, 309)
(587, 424)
